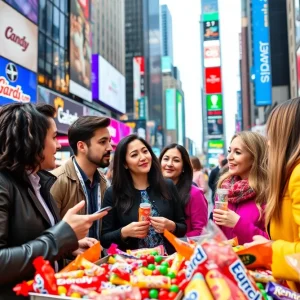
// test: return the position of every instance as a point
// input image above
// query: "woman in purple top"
(246, 181)
(176, 165)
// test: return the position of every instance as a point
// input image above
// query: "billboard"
(80, 49)
(261, 69)
(28, 8)
(140, 108)
(215, 144)
(212, 54)
(209, 6)
(297, 21)
(139, 127)
(17, 84)
(211, 30)
(214, 102)
(67, 111)
(166, 64)
(215, 126)
(19, 38)
(213, 82)
(136, 80)
(180, 118)
(171, 122)
(108, 84)
(139, 60)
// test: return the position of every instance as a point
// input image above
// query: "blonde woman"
(246, 181)
(283, 207)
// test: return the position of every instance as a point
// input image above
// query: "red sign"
(213, 82)
(85, 7)
(141, 61)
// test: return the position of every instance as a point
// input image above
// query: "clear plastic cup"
(222, 199)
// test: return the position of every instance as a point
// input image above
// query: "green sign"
(215, 144)
(211, 17)
(214, 102)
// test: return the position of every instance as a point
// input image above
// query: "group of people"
(54, 213)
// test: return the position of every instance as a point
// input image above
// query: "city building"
(108, 27)
(143, 68)
(166, 32)
(268, 54)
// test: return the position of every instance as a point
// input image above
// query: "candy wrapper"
(144, 251)
(279, 292)
(263, 276)
(258, 256)
(92, 255)
(197, 289)
(223, 271)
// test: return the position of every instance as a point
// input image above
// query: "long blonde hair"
(256, 146)
(283, 130)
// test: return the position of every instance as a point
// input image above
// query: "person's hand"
(84, 244)
(135, 230)
(257, 240)
(81, 223)
(227, 218)
(160, 224)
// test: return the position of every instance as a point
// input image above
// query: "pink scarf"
(239, 189)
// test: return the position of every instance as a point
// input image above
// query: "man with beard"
(79, 177)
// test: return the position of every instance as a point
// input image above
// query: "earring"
(125, 167)
(182, 171)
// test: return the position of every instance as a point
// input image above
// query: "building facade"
(108, 23)
(166, 32)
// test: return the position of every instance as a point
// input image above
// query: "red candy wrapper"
(222, 269)
(24, 288)
(44, 279)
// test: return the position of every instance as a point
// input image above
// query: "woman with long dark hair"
(137, 179)
(30, 225)
(176, 165)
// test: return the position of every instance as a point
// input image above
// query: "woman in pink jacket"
(176, 165)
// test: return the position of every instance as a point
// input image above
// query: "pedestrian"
(79, 178)
(176, 165)
(137, 179)
(246, 182)
(198, 176)
(30, 222)
(282, 211)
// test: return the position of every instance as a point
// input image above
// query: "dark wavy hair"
(186, 178)
(23, 129)
(122, 184)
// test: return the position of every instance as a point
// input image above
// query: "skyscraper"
(166, 32)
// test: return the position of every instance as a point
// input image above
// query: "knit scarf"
(239, 189)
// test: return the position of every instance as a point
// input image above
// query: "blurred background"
(192, 72)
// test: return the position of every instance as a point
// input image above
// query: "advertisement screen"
(28, 8)
(261, 53)
(111, 85)
(214, 102)
(139, 60)
(80, 50)
(212, 54)
(215, 126)
(297, 21)
(17, 84)
(216, 144)
(139, 127)
(211, 30)
(209, 6)
(18, 38)
(166, 64)
(213, 82)
(136, 80)
(170, 109)
(180, 117)
(67, 111)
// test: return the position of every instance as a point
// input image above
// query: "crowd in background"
(42, 212)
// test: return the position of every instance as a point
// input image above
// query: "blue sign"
(17, 84)
(261, 75)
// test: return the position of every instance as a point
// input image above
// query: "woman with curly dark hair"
(29, 221)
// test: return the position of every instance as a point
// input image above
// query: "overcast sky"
(186, 51)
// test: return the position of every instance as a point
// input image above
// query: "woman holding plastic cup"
(241, 198)
(138, 180)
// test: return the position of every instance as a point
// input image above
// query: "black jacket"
(26, 231)
(213, 181)
(115, 220)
